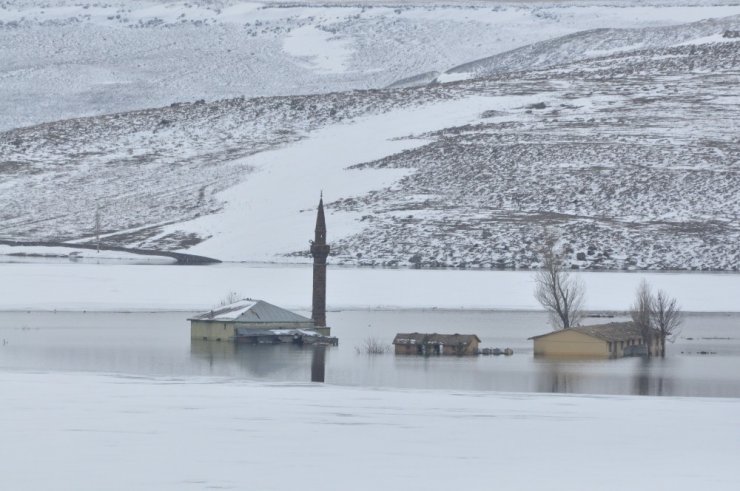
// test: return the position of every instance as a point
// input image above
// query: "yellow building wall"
(212, 331)
(226, 331)
(570, 343)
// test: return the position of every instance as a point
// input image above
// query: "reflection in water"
(554, 379)
(642, 377)
(648, 376)
(213, 351)
(650, 379)
(159, 344)
(318, 364)
(270, 361)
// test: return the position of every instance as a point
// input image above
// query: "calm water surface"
(158, 344)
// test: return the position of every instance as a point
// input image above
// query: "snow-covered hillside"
(61, 59)
(596, 43)
(629, 153)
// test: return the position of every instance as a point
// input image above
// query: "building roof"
(252, 312)
(434, 338)
(613, 331)
(249, 333)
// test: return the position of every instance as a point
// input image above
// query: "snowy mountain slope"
(149, 168)
(595, 43)
(267, 210)
(65, 59)
(632, 159)
(635, 164)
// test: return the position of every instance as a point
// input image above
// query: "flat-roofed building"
(436, 344)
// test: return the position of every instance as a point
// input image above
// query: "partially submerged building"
(436, 344)
(319, 251)
(613, 340)
(224, 323)
(259, 322)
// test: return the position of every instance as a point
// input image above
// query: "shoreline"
(37, 258)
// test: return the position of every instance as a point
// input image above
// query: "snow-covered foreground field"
(69, 431)
(104, 287)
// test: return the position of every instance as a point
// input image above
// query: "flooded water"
(158, 344)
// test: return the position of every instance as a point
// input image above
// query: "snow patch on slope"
(318, 50)
(714, 38)
(263, 215)
(447, 77)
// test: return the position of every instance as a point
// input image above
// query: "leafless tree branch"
(642, 313)
(667, 318)
(656, 314)
(558, 292)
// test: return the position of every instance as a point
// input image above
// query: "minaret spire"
(320, 231)
(319, 251)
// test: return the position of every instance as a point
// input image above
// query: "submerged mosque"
(260, 322)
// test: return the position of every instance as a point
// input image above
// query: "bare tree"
(667, 318)
(559, 293)
(642, 313)
(228, 299)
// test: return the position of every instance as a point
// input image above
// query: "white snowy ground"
(69, 431)
(106, 287)
(72, 253)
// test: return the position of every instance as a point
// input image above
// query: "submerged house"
(436, 344)
(244, 317)
(613, 340)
